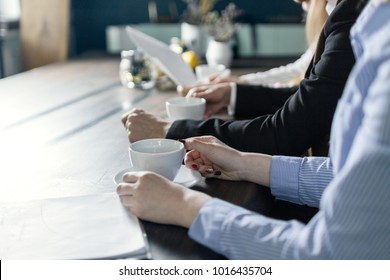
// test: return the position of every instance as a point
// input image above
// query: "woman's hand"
(151, 197)
(212, 158)
(217, 96)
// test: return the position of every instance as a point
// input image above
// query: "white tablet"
(170, 62)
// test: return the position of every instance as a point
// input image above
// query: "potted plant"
(193, 33)
(221, 28)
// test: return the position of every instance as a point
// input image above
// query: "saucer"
(186, 177)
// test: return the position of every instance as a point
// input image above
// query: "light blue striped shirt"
(351, 188)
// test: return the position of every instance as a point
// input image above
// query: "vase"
(193, 37)
(219, 53)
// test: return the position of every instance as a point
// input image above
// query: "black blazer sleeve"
(306, 117)
(253, 101)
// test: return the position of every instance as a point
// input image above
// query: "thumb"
(201, 144)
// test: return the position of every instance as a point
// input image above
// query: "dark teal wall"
(90, 17)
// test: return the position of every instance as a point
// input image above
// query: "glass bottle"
(136, 70)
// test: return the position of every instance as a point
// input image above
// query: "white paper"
(170, 62)
(83, 227)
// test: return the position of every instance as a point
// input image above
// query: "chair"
(44, 32)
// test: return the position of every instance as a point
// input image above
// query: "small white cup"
(179, 108)
(163, 156)
(204, 71)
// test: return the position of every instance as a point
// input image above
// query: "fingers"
(125, 117)
(127, 185)
(209, 172)
(126, 200)
(201, 144)
(128, 190)
(130, 177)
(129, 180)
(182, 90)
(193, 160)
(201, 158)
(197, 159)
(137, 111)
(125, 189)
(206, 170)
(193, 92)
(199, 91)
(145, 126)
(217, 79)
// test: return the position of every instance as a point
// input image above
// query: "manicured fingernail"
(195, 166)
(217, 173)
(209, 170)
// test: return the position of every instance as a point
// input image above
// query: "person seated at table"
(351, 188)
(221, 91)
(291, 74)
(285, 120)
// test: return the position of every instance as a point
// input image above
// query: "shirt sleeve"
(240, 234)
(352, 221)
(281, 75)
(300, 180)
(233, 97)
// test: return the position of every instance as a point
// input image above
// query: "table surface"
(61, 135)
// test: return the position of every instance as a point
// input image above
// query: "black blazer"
(297, 119)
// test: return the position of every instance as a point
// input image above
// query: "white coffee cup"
(204, 72)
(163, 156)
(179, 108)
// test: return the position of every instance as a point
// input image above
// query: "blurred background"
(38, 32)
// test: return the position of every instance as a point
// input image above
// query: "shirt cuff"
(284, 178)
(208, 226)
(233, 97)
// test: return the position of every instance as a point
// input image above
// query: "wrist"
(256, 168)
(192, 202)
(166, 126)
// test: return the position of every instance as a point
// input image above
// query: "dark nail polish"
(194, 166)
(182, 140)
(217, 173)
